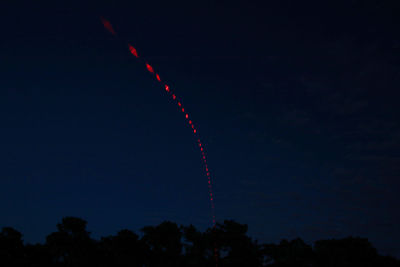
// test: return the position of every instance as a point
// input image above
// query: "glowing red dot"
(174, 96)
(201, 149)
(167, 88)
(187, 116)
(107, 25)
(179, 104)
(183, 110)
(133, 50)
(158, 77)
(192, 126)
(194, 130)
(149, 68)
(190, 122)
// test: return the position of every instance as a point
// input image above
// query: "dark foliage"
(168, 244)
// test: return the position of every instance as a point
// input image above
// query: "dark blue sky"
(296, 102)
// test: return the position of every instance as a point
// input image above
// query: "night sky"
(296, 102)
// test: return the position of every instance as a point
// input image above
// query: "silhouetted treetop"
(168, 244)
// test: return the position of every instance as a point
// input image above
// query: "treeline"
(168, 244)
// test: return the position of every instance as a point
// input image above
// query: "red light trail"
(133, 51)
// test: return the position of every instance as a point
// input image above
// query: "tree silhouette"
(164, 242)
(345, 252)
(234, 246)
(124, 249)
(11, 247)
(168, 244)
(289, 253)
(197, 247)
(71, 245)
